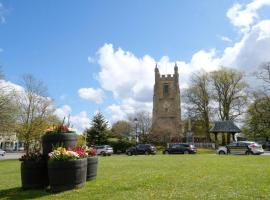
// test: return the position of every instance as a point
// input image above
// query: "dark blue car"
(180, 148)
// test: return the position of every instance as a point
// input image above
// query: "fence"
(204, 145)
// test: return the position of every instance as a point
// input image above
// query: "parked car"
(241, 147)
(104, 150)
(2, 152)
(180, 148)
(145, 149)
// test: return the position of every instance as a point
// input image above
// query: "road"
(11, 156)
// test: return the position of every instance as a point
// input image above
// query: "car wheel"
(166, 152)
(221, 153)
(186, 152)
(146, 153)
(129, 153)
(103, 153)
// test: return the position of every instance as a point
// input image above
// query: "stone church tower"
(166, 122)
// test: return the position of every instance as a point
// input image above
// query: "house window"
(166, 89)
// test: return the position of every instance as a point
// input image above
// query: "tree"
(121, 128)
(197, 98)
(8, 108)
(264, 75)
(229, 91)
(35, 112)
(97, 134)
(144, 121)
(257, 123)
(257, 120)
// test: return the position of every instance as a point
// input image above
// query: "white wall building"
(10, 142)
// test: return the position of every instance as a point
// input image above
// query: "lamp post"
(136, 130)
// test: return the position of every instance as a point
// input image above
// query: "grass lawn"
(202, 176)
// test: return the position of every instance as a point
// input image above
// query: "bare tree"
(35, 111)
(264, 75)
(197, 98)
(144, 121)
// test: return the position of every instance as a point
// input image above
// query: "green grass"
(159, 177)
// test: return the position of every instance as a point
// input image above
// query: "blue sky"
(100, 55)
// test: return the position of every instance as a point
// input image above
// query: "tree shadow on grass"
(19, 193)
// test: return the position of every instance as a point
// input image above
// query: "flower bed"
(60, 135)
(63, 166)
(67, 169)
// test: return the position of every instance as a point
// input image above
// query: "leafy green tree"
(121, 128)
(8, 107)
(98, 133)
(35, 112)
(257, 123)
(229, 90)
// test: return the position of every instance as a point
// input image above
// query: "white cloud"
(243, 16)
(91, 94)
(79, 121)
(252, 50)
(3, 12)
(224, 38)
(7, 86)
(131, 78)
(63, 112)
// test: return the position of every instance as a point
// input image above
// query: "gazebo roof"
(224, 127)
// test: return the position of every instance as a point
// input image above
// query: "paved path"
(11, 156)
(17, 155)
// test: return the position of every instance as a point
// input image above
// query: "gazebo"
(224, 127)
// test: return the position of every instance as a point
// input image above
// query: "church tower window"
(166, 90)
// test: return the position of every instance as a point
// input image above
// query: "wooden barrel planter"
(92, 163)
(66, 175)
(50, 140)
(34, 174)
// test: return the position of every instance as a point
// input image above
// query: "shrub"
(120, 145)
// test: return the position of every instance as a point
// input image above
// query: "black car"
(145, 149)
(180, 148)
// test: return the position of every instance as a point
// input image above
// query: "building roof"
(224, 127)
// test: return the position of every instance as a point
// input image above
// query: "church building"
(166, 122)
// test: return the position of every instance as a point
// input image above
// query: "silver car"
(241, 147)
(2, 152)
(104, 150)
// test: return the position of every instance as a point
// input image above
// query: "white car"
(241, 147)
(104, 150)
(2, 152)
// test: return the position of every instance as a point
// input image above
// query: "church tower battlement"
(166, 106)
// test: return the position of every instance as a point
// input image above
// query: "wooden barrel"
(51, 140)
(92, 163)
(34, 174)
(66, 175)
